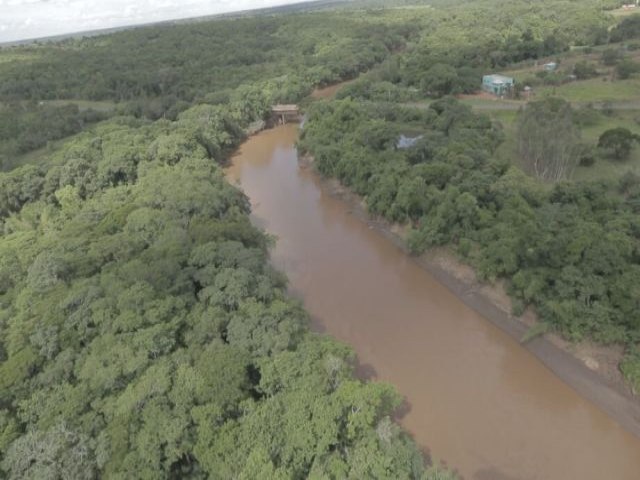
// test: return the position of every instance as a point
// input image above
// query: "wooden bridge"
(284, 113)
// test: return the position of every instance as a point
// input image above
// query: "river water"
(476, 399)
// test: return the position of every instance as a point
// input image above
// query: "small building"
(497, 84)
(407, 142)
(550, 67)
(284, 113)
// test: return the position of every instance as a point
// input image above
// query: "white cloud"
(22, 19)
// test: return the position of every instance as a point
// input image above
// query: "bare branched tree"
(548, 140)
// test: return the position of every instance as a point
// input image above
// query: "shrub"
(617, 142)
(583, 70)
(626, 68)
(586, 116)
(628, 182)
(630, 368)
(587, 157)
(611, 56)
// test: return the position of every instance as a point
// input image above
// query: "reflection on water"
(474, 397)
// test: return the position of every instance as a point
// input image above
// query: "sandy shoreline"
(594, 379)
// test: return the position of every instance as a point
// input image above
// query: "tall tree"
(548, 140)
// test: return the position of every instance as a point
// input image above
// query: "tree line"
(571, 249)
(143, 333)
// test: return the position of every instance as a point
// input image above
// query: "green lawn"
(606, 168)
(599, 89)
(603, 168)
(622, 12)
(100, 106)
(596, 90)
(506, 118)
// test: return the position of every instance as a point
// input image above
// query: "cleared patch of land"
(99, 106)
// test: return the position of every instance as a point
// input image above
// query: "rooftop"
(284, 108)
(497, 78)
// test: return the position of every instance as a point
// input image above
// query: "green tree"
(584, 70)
(618, 142)
(626, 68)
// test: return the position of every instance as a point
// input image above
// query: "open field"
(7, 56)
(603, 169)
(624, 12)
(596, 90)
(606, 168)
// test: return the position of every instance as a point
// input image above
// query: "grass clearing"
(12, 55)
(595, 90)
(99, 106)
(624, 12)
(609, 169)
(603, 168)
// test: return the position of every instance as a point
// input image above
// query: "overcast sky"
(23, 19)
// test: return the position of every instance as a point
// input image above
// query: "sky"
(25, 19)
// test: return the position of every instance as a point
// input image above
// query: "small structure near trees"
(407, 142)
(284, 113)
(498, 85)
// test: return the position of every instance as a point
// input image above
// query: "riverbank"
(592, 377)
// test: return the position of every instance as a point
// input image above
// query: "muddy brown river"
(476, 399)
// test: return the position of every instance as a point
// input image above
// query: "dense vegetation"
(185, 62)
(157, 72)
(26, 127)
(144, 335)
(460, 43)
(572, 251)
(142, 332)
(569, 249)
(627, 29)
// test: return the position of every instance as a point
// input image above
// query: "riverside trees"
(569, 250)
(143, 333)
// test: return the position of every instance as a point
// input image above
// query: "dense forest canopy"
(157, 72)
(143, 333)
(186, 61)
